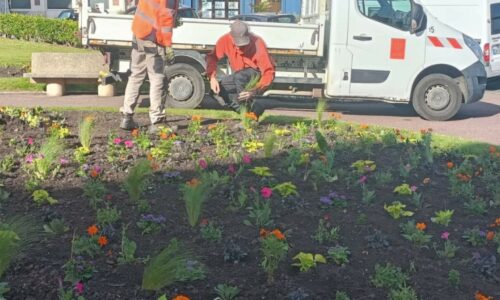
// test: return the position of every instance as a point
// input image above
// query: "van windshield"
(495, 18)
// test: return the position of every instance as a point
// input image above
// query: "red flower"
(102, 241)
(266, 192)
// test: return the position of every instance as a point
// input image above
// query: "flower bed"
(302, 211)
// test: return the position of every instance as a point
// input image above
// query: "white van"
(479, 19)
(389, 50)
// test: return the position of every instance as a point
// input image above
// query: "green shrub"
(39, 29)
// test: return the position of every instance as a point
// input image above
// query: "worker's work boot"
(128, 123)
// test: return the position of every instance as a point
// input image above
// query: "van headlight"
(474, 47)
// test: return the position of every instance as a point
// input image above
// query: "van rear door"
(495, 36)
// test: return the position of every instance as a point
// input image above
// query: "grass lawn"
(17, 53)
(8, 84)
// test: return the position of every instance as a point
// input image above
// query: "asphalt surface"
(478, 121)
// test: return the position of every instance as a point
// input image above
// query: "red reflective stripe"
(454, 43)
(398, 48)
(435, 41)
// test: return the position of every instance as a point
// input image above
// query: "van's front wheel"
(437, 97)
(184, 86)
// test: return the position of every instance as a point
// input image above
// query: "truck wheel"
(184, 86)
(437, 97)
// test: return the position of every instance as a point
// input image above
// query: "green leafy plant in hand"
(308, 261)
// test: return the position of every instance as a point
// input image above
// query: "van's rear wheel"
(184, 86)
(437, 97)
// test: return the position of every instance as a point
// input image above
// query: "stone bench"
(59, 69)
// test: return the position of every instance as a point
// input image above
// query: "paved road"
(479, 121)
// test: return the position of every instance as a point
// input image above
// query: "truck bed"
(202, 34)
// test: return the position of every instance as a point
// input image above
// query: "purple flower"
(203, 164)
(30, 141)
(129, 143)
(117, 141)
(482, 233)
(79, 287)
(362, 179)
(247, 159)
(231, 169)
(85, 167)
(413, 188)
(29, 158)
(445, 235)
(97, 169)
(63, 161)
(325, 200)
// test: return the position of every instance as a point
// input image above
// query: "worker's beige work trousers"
(147, 58)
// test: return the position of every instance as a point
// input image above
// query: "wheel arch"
(445, 70)
(192, 58)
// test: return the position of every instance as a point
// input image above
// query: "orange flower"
(193, 182)
(181, 297)
(135, 132)
(196, 118)
(492, 149)
(92, 230)
(94, 173)
(336, 115)
(421, 226)
(278, 234)
(481, 296)
(363, 126)
(163, 135)
(251, 116)
(212, 126)
(102, 241)
(155, 166)
(490, 235)
(263, 233)
(149, 157)
(450, 165)
(497, 221)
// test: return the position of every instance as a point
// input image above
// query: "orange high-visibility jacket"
(156, 16)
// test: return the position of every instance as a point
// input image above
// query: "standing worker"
(248, 57)
(151, 48)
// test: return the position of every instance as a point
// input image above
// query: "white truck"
(389, 50)
(479, 19)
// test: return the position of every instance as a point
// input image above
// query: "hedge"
(41, 29)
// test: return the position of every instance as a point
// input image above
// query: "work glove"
(169, 55)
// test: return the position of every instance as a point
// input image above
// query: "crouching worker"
(151, 49)
(250, 62)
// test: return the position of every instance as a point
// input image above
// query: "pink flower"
(117, 141)
(29, 158)
(266, 192)
(129, 143)
(231, 169)
(247, 159)
(413, 188)
(63, 161)
(445, 235)
(30, 141)
(203, 164)
(362, 180)
(79, 287)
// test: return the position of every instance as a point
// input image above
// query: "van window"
(395, 13)
(495, 18)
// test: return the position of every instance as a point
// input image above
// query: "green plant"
(476, 205)
(389, 277)
(403, 190)
(108, 216)
(56, 227)
(222, 140)
(426, 143)
(211, 232)
(95, 191)
(443, 217)
(320, 110)
(269, 143)
(76, 270)
(262, 171)
(4, 289)
(448, 251)
(83, 245)
(259, 214)
(136, 181)
(286, 189)
(172, 264)
(454, 278)
(403, 293)
(42, 197)
(226, 292)
(45, 163)
(396, 210)
(364, 166)
(273, 252)
(252, 83)
(339, 255)
(17, 234)
(475, 237)
(339, 295)
(194, 193)
(142, 141)
(326, 232)
(416, 200)
(7, 163)
(416, 236)
(367, 195)
(151, 224)
(8, 248)
(262, 6)
(128, 248)
(383, 178)
(86, 131)
(308, 261)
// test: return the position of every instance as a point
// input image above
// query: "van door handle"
(362, 38)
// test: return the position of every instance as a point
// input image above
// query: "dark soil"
(37, 273)
(12, 71)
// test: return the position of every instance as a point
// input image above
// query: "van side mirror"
(418, 19)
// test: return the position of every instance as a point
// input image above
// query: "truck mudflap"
(475, 79)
